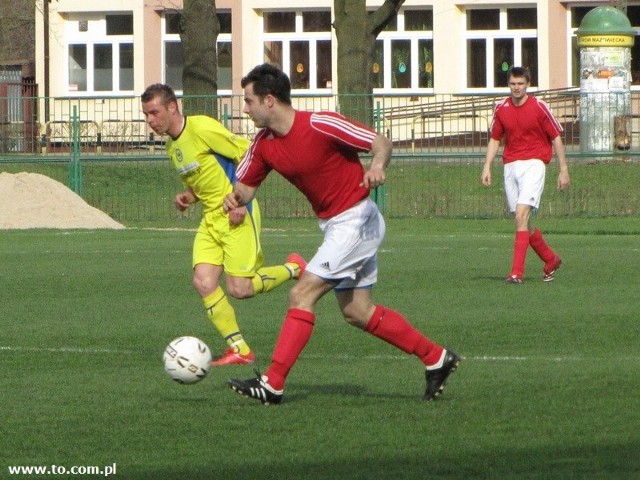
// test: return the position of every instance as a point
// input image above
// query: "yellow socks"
(268, 278)
(222, 315)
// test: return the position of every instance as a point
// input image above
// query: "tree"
(356, 33)
(17, 30)
(199, 28)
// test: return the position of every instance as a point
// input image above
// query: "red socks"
(520, 247)
(385, 324)
(393, 328)
(541, 248)
(294, 335)
(521, 244)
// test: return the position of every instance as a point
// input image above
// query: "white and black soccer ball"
(187, 359)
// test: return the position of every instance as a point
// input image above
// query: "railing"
(418, 125)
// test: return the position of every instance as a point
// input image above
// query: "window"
(224, 65)
(172, 23)
(497, 39)
(299, 42)
(401, 63)
(522, 19)
(487, 19)
(125, 69)
(316, 21)
(119, 24)
(418, 20)
(174, 56)
(78, 68)
(633, 14)
(299, 65)
(173, 63)
(275, 22)
(403, 56)
(577, 14)
(100, 54)
(103, 68)
(377, 66)
(477, 63)
(323, 54)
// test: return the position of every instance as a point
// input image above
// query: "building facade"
(117, 47)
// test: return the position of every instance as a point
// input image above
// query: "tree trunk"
(356, 33)
(199, 30)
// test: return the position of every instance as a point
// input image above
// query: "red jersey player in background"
(529, 130)
(318, 153)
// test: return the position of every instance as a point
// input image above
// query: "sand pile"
(31, 200)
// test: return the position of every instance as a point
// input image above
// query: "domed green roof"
(605, 21)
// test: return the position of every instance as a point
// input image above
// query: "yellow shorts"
(236, 248)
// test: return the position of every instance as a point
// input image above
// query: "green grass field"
(548, 388)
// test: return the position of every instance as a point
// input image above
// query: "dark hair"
(163, 92)
(518, 72)
(268, 79)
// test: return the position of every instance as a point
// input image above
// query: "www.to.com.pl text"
(104, 471)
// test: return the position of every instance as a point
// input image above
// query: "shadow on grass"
(339, 394)
(342, 390)
(470, 462)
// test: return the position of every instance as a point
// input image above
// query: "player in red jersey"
(530, 131)
(318, 153)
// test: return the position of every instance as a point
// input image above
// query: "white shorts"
(348, 254)
(524, 183)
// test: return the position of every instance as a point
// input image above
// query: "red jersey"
(528, 129)
(319, 156)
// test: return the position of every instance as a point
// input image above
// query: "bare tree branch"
(17, 30)
(383, 15)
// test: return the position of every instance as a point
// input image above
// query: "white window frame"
(298, 36)
(414, 36)
(95, 35)
(490, 35)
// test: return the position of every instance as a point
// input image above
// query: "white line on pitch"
(6, 348)
(482, 358)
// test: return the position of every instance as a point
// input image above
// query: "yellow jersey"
(205, 156)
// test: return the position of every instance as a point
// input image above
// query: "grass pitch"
(548, 387)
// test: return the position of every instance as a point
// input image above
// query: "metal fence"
(102, 149)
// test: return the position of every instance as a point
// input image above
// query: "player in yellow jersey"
(205, 154)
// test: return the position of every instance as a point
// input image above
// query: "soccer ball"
(187, 360)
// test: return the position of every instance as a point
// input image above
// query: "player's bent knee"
(204, 288)
(240, 288)
(304, 296)
(356, 322)
(356, 316)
